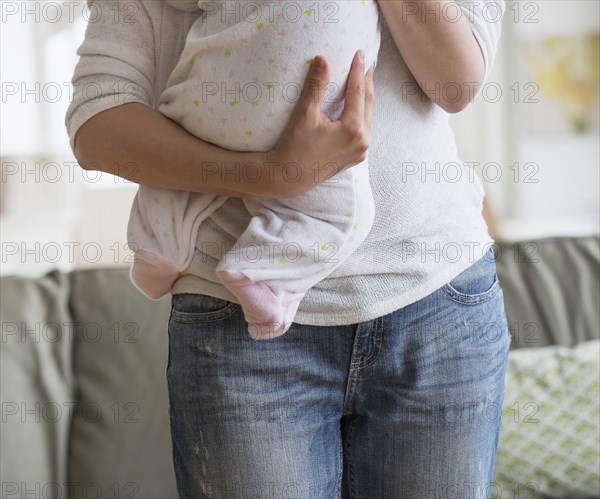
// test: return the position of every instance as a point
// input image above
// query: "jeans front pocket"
(198, 308)
(477, 284)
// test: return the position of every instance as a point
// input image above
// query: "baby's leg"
(161, 233)
(291, 244)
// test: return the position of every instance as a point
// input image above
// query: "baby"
(235, 85)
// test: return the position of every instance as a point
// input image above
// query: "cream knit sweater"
(428, 223)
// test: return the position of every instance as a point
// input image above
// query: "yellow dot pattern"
(249, 133)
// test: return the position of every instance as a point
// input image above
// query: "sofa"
(85, 405)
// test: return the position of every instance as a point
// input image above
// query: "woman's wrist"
(238, 174)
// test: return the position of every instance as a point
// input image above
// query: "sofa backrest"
(83, 388)
(120, 444)
(551, 290)
(36, 385)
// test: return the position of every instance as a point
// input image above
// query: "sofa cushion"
(551, 290)
(36, 388)
(550, 438)
(120, 440)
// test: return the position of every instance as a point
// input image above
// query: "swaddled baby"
(235, 85)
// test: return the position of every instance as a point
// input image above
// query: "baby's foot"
(267, 315)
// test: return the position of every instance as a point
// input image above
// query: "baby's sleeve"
(485, 18)
(116, 61)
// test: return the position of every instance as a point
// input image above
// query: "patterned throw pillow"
(550, 437)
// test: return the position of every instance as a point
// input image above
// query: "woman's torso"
(428, 225)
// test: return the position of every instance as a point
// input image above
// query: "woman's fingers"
(369, 97)
(314, 87)
(354, 105)
(311, 138)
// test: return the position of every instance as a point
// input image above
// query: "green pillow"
(550, 437)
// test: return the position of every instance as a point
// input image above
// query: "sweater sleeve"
(116, 61)
(485, 18)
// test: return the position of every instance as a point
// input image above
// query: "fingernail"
(361, 54)
(318, 64)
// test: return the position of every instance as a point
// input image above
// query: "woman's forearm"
(440, 51)
(140, 144)
(135, 142)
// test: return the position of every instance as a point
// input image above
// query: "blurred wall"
(533, 130)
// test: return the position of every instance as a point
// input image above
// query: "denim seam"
(377, 340)
(348, 408)
(338, 490)
(355, 360)
(351, 479)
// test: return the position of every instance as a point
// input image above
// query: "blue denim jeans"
(407, 405)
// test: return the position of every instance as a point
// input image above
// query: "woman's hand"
(317, 146)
